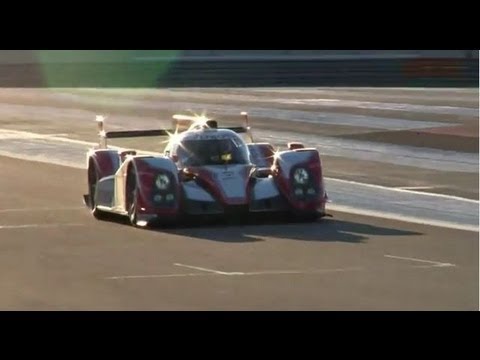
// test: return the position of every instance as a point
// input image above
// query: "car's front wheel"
(93, 178)
(132, 208)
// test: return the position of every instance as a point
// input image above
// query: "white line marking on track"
(26, 226)
(404, 190)
(306, 272)
(57, 135)
(126, 277)
(434, 263)
(202, 269)
(212, 272)
(266, 272)
(42, 209)
(417, 187)
(398, 217)
(43, 159)
(29, 135)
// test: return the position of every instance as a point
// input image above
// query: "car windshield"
(213, 152)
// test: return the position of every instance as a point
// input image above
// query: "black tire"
(132, 208)
(131, 197)
(93, 178)
(99, 214)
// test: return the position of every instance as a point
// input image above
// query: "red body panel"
(284, 183)
(107, 162)
(146, 188)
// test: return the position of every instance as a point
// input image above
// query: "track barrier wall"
(214, 68)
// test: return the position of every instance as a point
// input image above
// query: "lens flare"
(190, 122)
(276, 158)
(172, 137)
(276, 154)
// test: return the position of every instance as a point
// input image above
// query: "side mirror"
(263, 172)
(295, 145)
(185, 175)
(123, 154)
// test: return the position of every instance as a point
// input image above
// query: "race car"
(204, 170)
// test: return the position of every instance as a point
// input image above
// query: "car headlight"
(299, 191)
(301, 176)
(162, 182)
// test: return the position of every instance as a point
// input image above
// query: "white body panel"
(194, 192)
(231, 180)
(120, 179)
(265, 189)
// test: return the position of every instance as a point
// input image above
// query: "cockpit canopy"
(214, 150)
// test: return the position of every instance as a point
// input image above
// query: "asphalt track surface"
(55, 256)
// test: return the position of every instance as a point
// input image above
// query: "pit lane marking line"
(433, 263)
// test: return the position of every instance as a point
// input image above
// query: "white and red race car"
(204, 170)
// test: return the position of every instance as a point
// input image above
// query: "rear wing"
(186, 122)
(180, 123)
(104, 135)
(247, 125)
